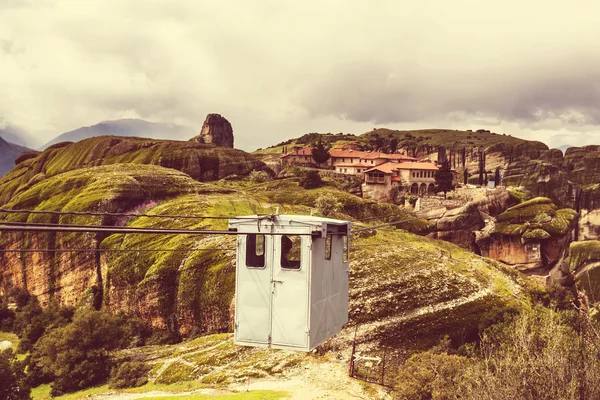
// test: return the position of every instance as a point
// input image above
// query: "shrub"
(7, 317)
(432, 375)
(258, 176)
(541, 354)
(129, 374)
(310, 180)
(327, 205)
(76, 355)
(13, 383)
(33, 322)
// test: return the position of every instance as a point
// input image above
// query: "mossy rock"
(176, 372)
(536, 214)
(535, 235)
(581, 253)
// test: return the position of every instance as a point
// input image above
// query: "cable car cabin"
(291, 280)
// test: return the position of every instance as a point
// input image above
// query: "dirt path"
(317, 380)
(312, 381)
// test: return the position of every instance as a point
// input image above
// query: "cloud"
(280, 69)
(410, 93)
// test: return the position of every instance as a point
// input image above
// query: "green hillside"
(200, 162)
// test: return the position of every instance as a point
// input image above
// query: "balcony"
(375, 179)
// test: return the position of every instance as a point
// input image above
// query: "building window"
(328, 247)
(255, 251)
(290, 251)
(345, 257)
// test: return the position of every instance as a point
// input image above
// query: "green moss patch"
(537, 218)
(583, 252)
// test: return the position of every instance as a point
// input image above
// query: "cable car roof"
(287, 219)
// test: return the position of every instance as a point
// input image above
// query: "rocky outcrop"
(458, 226)
(541, 178)
(531, 235)
(216, 131)
(589, 225)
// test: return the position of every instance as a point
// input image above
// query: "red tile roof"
(417, 165)
(368, 155)
(386, 168)
(389, 167)
(305, 151)
(351, 165)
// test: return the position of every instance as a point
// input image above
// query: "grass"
(396, 273)
(254, 395)
(43, 393)
(11, 337)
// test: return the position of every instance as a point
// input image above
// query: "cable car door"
(289, 315)
(253, 291)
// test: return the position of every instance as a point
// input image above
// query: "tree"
(481, 167)
(320, 153)
(327, 205)
(444, 178)
(394, 144)
(310, 180)
(497, 177)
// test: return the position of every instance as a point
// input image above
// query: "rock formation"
(216, 131)
(458, 226)
(531, 235)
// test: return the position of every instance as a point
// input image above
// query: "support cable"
(109, 214)
(114, 250)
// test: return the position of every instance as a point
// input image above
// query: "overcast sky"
(278, 69)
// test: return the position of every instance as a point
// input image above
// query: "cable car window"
(290, 251)
(255, 251)
(346, 249)
(328, 241)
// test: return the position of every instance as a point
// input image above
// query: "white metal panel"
(291, 309)
(289, 323)
(253, 296)
(329, 294)
(341, 282)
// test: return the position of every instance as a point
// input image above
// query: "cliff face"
(458, 226)
(163, 284)
(531, 235)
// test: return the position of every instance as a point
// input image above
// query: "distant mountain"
(14, 134)
(127, 127)
(8, 153)
(564, 147)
